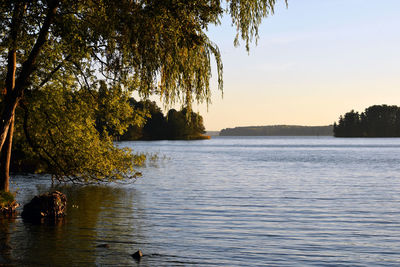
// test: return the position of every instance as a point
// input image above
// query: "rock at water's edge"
(49, 205)
(137, 255)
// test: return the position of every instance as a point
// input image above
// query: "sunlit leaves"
(62, 130)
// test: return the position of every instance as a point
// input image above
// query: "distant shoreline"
(278, 130)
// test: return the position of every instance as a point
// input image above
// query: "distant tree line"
(375, 121)
(176, 125)
(278, 130)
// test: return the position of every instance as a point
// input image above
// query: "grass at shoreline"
(7, 202)
(198, 137)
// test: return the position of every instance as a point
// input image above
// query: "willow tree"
(148, 46)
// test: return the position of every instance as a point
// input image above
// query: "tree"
(149, 46)
(375, 121)
(176, 125)
(154, 128)
(349, 125)
(70, 134)
(189, 124)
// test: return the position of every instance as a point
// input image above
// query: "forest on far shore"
(375, 121)
(278, 130)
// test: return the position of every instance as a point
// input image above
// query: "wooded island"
(176, 125)
(375, 121)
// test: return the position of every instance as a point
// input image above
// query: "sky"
(315, 60)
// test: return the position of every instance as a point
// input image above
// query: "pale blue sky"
(314, 61)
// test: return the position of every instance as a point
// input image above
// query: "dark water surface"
(275, 201)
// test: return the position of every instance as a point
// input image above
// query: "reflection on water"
(5, 248)
(96, 215)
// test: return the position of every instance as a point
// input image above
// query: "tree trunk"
(6, 125)
(7, 116)
(7, 112)
(15, 87)
(5, 158)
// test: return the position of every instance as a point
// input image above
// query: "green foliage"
(113, 112)
(6, 199)
(60, 130)
(375, 121)
(182, 125)
(247, 16)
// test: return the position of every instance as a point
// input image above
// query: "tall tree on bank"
(148, 46)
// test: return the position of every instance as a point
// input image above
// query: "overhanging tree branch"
(59, 66)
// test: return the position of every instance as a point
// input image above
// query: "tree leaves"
(61, 126)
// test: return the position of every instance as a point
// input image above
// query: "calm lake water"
(276, 201)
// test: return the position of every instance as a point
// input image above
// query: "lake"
(228, 201)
